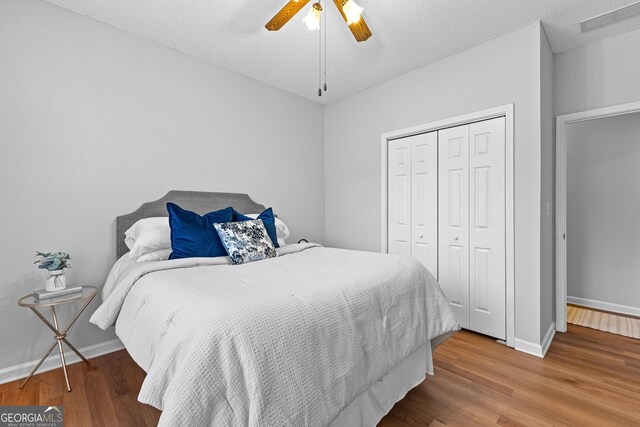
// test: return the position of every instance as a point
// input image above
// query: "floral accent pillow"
(246, 241)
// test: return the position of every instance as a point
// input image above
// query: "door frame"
(506, 111)
(561, 196)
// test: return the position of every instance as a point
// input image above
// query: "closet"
(446, 209)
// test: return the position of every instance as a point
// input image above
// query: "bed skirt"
(376, 401)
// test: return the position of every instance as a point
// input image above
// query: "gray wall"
(547, 217)
(599, 74)
(593, 76)
(502, 71)
(94, 121)
(603, 210)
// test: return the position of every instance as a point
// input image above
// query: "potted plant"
(54, 263)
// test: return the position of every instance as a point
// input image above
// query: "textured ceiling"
(407, 34)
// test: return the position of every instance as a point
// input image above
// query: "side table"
(87, 294)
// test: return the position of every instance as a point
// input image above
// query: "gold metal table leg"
(59, 339)
(75, 350)
(33, 371)
(58, 333)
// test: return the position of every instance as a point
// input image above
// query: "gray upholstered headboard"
(197, 201)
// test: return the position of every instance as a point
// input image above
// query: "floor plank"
(589, 378)
(615, 323)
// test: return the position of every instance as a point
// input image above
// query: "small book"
(42, 294)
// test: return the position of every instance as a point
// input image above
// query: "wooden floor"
(615, 323)
(589, 378)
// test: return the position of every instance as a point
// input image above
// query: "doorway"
(598, 212)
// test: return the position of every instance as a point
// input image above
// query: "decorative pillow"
(193, 235)
(269, 220)
(148, 235)
(246, 241)
(282, 231)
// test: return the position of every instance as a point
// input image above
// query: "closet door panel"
(453, 218)
(424, 200)
(399, 197)
(487, 227)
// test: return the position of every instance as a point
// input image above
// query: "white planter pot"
(56, 281)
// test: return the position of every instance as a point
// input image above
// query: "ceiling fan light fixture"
(312, 20)
(352, 11)
(349, 10)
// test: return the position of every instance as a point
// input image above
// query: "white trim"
(561, 196)
(548, 338)
(528, 347)
(606, 306)
(21, 370)
(510, 243)
(506, 111)
(535, 349)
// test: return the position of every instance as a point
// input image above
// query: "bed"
(316, 336)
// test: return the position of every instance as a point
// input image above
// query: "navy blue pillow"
(193, 235)
(269, 220)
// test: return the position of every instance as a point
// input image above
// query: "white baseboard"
(535, 349)
(21, 370)
(528, 347)
(606, 306)
(548, 338)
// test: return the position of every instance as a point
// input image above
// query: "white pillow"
(148, 235)
(282, 231)
(161, 255)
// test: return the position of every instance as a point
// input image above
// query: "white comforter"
(288, 341)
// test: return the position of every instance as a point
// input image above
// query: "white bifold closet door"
(413, 198)
(453, 206)
(471, 226)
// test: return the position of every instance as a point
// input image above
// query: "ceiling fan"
(350, 11)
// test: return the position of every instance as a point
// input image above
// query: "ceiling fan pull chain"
(325, 48)
(320, 55)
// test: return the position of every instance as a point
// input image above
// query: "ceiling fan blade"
(285, 14)
(359, 29)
